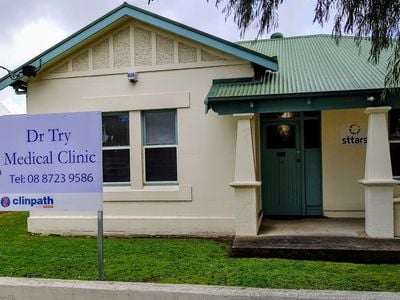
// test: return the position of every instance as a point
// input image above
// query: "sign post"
(100, 243)
(53, 162)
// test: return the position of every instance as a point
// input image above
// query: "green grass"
(163, 260)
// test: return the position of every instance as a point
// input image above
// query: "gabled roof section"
(312, 66)
(127, 10)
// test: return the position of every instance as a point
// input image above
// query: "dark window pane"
(116, 130)
(395, 158)
(116, 165)
(394, 124)
(281, 136)
(312, 114)
(160, 127)
(161, 164)
(312, 134)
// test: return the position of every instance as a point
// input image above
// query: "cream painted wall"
(342, 165)
(206, 150)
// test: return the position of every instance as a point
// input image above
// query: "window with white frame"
(116, 157)
(160, 146)
(394, 140)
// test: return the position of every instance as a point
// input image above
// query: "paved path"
(42, 289)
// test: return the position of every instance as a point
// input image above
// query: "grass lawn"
(162, 260)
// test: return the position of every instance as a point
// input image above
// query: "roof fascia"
(299, 102)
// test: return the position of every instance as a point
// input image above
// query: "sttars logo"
(354, 128)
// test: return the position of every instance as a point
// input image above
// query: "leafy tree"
(377, 20)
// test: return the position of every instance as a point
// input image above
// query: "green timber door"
(282, 180)
(291, 164)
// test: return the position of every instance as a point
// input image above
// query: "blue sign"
(51, 162)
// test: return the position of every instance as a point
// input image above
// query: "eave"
(300, 102)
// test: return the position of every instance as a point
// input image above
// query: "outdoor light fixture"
(28, 71)
(132, 76)
(287, 115)
(371, 98)
(20, 86)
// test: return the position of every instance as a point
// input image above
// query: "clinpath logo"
(5, 202)
(21, 201)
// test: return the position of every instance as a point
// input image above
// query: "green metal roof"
(127, 10)
(308, 65)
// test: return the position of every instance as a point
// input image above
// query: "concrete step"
(329, 248)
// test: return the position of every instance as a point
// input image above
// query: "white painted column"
(247, 212)
(378, 179)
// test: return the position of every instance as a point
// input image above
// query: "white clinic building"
(208, 137)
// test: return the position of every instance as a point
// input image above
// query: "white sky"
(28, 27)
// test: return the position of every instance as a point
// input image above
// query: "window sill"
(168, 193)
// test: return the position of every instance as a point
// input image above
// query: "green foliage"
(376, 20)
(163, 260)
(245, 12)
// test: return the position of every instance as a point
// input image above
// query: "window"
(394, 140)
(159, 146)
(116, 157)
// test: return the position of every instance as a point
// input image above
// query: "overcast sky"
(28, 27)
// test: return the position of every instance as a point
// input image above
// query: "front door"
(281, 168)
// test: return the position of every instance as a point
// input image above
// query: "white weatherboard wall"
(203, 202)
(342, 165)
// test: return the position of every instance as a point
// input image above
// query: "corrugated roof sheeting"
(311, 64)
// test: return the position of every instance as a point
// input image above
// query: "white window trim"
(160, 183)
(116, 147)
(135, 190)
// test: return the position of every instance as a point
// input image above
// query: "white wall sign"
(51, 162)
(353, 134)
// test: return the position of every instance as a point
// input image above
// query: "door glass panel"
(312, 114)
(281, 136)
(312, 134)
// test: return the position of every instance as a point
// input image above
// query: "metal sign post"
(100, 243)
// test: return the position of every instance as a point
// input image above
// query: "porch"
(280, 169)
(332, 239)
